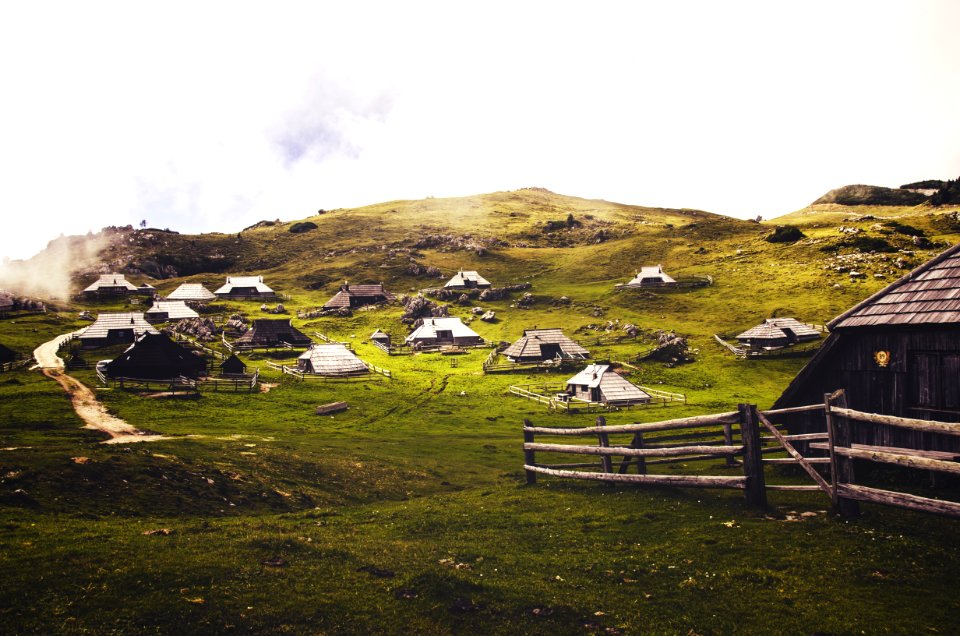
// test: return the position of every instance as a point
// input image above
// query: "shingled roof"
(154, 356)
(163, 310)
(191, 292)
(528, 345)
(651, 276)
(614, 388)
(271, 332)
(355, 295)
(331, 359)
(244, 282)
(105, 323)
(111, 281)
(775, 329)
(464, 279)
(930, 294)
(428, 330)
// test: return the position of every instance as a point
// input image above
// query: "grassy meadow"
(408, 513)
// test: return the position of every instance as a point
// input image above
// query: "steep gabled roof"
(613, 387)
(650, 275)
(428, 330)
(105, 323)
(175, 310)
(191, 291)
(930, 294)
(333, 359)
(111, 281)
(461, 278)
(800, 330)
(244, 282)
(528, 345)
(368, 292)
(763, 331)
(269, 331)
(155, 355)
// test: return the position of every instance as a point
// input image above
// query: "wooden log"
(676, 460)
(800, 437)
(529, 456)
(926, 426)
(754, 489)
(699, 435)
(795, 487)
(728, 440)
(913, 452)
(634, 452)
(793, 409)
(800, 459)
(899, 499)
(333, 407)
(604, 443)
(841, 468)
(667, 425)
(901, 459)
(636, 442)
(791, 460)
(694, 481)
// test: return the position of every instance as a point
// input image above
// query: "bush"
(785, 234)
(870, 244)
(300, 228)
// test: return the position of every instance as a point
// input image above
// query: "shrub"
(300, 228)
(785, 234)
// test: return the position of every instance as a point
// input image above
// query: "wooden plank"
(755, 492)
(841, 468)
(634, 452)
(604, 443)
(899, 499)
(800, 437)
(800, 459)
(332, 407)
(793, 409)
(914, 452)
(926, 426)
(694, 481)
(666, 425)
(901, 459)
(529, 456)
(795, 487)
(791, 460)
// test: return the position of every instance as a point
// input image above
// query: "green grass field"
(408, 513)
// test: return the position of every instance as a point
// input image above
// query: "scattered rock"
(275, 562)
(159, 532)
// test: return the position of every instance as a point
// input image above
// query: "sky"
(210, 116)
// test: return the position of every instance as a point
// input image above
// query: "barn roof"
(430, 327)
(191, 291)
(342, 297)
(111, 280)
(105, 323)
(175, 310)
(379, 335)
(930, 294)
(461, 278)
(529, 344)
(614, 387)
(333, 359)
(651, 273)
(268, 331)
(155, 355)
(244, 281)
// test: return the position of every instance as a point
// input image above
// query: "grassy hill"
(408, 513)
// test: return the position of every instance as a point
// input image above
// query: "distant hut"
(170, 311)
(895, 353)
(6, 302)
(272, 332)
(652, 276)
(352, 296)
(7, 354)
(467, 280)
(598, 383)
(444, 331)
(775, 333)
(110, 285)
(146, 289)
(232, 366)
(332, 359)
(154, 356)
(115, 328)
(540, 345)
(245, 288)
(192, 293)
(381, 338)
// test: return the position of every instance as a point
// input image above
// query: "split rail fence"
(743, 438)
(556, 398)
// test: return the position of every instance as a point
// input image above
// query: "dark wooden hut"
(774, 333)
(115, 328)
(232, 366)
(7, 354)
(895, 353)
(352, 296)
(273, 332)
(154, 356)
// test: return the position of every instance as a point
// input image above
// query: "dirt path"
(92, 412)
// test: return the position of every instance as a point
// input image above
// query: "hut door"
(935, 382)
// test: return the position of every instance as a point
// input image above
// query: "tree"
(143, 223)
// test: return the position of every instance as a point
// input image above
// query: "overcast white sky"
(203, 116)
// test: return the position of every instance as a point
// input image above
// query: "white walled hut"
(467, 279)
(169, 311)
(444, 331)
(599, 383)
(333, 359)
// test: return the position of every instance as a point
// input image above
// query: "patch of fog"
(49, 274)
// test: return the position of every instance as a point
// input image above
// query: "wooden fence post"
(755, 488)
(637, 442)
(841, 466)
(529, 456)
(606, 460)
(728, 440)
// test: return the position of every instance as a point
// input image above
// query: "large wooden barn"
(245, 288)
(353, 296)
(115, 328)
(272, 332)
(444, 331)
(110, 285)
(895, 353)
(154, 356)
(541, 345)
(599, 383)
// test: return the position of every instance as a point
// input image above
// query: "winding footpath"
(92, 412)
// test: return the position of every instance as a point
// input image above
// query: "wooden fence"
(14, 365)
(327, 339)
(831, 473)
(301, 375)
(793, 351)
(493, 364)
(555, 397)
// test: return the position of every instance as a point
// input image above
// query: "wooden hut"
(110, 285)
(272, 332)
(146, 289)
(652, 276)
(381, 338)
(895, 353)
(170, 311)
(541, 345)
(776, 333)
(7, 354)
(245, 288)
(333, 359)
(232, 366)
(154, 356)
(115, 328)
(192, 293)
(444, 331)
(467, 280)
(353, 296)
(599, 383)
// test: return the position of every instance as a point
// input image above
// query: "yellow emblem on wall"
(882, 358)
